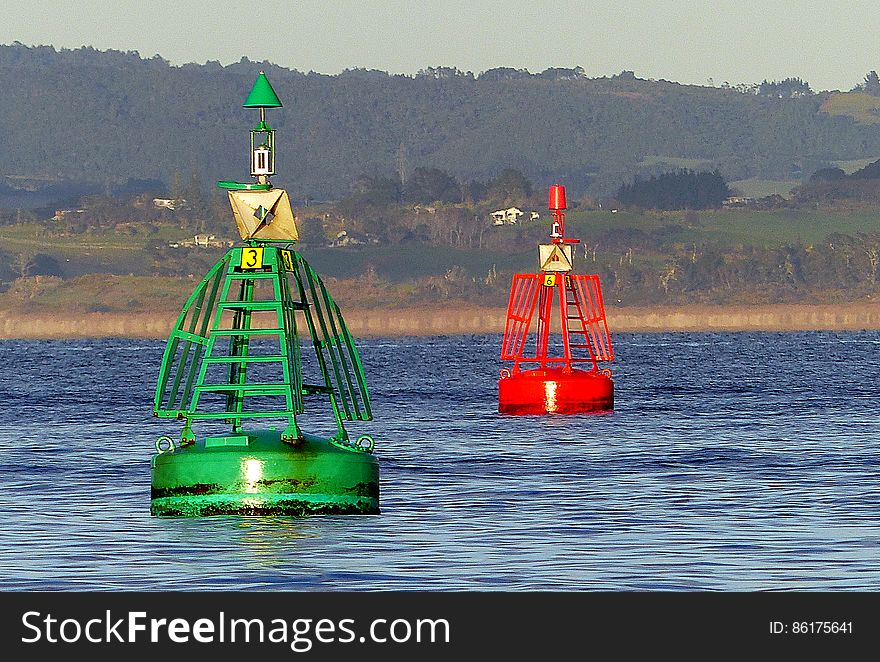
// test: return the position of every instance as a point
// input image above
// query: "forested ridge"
(109, 117)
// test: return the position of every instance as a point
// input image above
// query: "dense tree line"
(684, 189)
(789, 88)
(832, 186)
(871, 84)
(109, 116)
(431, 185)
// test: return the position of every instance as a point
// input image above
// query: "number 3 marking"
(287, 260)
(251, 258)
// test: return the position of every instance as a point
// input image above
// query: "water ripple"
(731, 462)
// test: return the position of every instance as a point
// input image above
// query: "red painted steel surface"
(553, 391)
(557, 197)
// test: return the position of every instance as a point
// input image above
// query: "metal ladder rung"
(249, 305)
(238, 414)
(251, 274)
(245, 332)
(247, 389)
(262, 305)
(245, 359)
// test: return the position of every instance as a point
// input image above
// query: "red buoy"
(561, 376)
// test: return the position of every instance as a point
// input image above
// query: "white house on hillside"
(506, 216)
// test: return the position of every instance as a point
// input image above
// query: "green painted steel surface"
(242, 186)
(208, 352)
(262, 94)
(268, 476)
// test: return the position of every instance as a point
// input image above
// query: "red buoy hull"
(552, 391)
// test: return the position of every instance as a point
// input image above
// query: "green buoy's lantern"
(258, 339)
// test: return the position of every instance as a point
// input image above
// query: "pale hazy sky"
(830, 44)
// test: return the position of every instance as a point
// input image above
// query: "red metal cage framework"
(584, 329)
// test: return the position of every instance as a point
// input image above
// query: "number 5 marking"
(251, 258)
(287, 260)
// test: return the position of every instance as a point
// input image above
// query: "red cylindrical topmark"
(557, 197)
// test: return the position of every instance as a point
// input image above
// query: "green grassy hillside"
(726, 255)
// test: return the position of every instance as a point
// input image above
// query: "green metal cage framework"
(216, 328)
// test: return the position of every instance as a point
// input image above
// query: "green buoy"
(258, 339)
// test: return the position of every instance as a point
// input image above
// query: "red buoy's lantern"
(553, 375)
(557, 197)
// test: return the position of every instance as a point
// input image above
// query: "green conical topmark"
(262, 95)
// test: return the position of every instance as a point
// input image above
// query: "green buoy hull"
(255, 473)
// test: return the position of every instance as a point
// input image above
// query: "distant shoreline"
(465, 320)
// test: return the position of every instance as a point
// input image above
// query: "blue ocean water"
(732, 462)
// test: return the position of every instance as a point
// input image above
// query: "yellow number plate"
(251, 258)
(549, 280)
